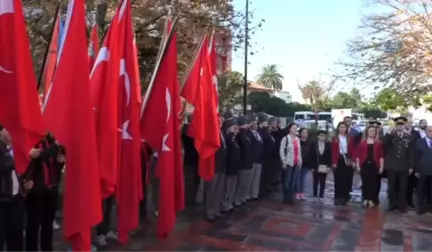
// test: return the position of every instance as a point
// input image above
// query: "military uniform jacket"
(397, 152)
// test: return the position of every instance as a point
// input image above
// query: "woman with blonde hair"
(370, 163)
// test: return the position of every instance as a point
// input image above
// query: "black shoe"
(210, 219)
(403, 209)
(420, 211)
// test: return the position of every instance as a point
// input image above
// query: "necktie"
(430, 144)
(257, 136)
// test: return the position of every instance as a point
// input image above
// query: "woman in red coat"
(342, 163)
(370, 162)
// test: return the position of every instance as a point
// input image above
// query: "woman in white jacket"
(290, 153)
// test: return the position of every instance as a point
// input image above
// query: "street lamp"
(246, 59)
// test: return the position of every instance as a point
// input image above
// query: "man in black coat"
(257, 156)
(242, 194)
(11, 198)
(423, 170)
(270, 157)
(412, 179)
(190, 165)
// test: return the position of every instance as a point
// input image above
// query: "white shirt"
(257, 135)
(343, 145)
(15, 183)
(321, 147)
(422, 133)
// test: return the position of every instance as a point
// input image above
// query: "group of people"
(255, 156)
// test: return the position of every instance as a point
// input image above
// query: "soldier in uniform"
(397, 152)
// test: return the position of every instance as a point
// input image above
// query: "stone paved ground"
(267, 225)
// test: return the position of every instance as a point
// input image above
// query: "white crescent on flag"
(122, 10)
(168, 107)
(2, 69)
(127, 84)
(103, 55)
(168, 103)
(6, 7)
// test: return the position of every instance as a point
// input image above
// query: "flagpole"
(158, 62)
(48, 48)
(246, 60)
(197, 52)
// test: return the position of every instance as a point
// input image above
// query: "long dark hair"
(337, 130)
(288, 128)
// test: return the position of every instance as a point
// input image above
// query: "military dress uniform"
(397, 149)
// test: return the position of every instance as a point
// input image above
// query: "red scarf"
(49, 166)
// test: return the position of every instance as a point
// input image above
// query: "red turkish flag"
(200, 91)
(129, 190)
(93, 45)
(51, 57)
(20, 112)
(160, 128)
(68, 112)
(104, 88)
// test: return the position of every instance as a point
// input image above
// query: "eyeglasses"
(400, 123)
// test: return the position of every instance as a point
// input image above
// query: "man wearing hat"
(397, 150)
(190, 163)
(270, 157)
(257, 152)
(245, 170)
(215, 189)
(233, 163)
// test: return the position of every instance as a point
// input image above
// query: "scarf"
(48, 167)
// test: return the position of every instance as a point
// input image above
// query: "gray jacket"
(286, 151)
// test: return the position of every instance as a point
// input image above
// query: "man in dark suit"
(423, 170)
(412, 180)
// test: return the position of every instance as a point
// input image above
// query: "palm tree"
(270, 77)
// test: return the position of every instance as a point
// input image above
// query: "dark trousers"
(369, 174)
(104, 227)
(342, 181)
(11, 224)
(319, 180)
(41, 209)
(411, 185)
(192, 182)
(397, 187)
(424, 193)
(143, 202)
(379, 179)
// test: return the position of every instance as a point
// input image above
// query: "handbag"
(323, 169)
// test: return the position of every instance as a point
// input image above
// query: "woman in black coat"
(320, 163)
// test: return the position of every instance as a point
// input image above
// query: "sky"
(304, 38)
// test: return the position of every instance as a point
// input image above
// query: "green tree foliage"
(270, 77)
(371, 111)
(229, 85)
(347, 100)
(263, 102)
(390, 99)
(316, 93)
(196, 18)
